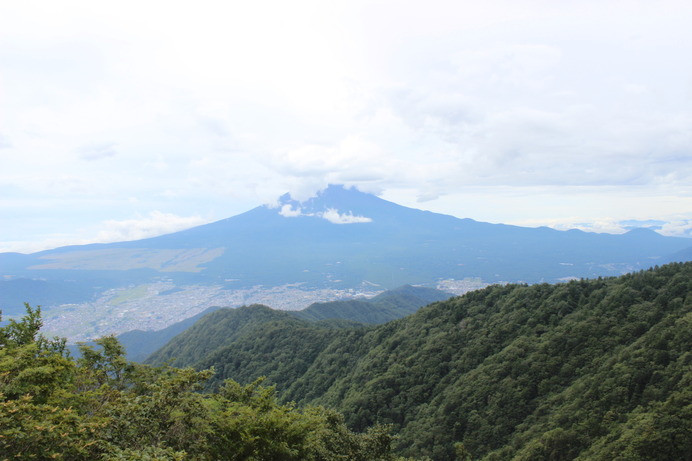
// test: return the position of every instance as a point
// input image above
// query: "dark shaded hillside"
(251, 342)
(591, 369)
(215, 330)
(254, 341)
(281, 350)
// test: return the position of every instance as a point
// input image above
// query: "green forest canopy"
(590, 369)
(101, 406)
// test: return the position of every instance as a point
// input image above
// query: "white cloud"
(331, 214)
(608, 226)
(157, 223)
(154, 224)
(352, 157)
(287, 211)
(676, 228)
(33, 246)
(334, 217)
(680, 227)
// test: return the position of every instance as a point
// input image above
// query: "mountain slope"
(14, 293)
(343, 237)
(231, 325)
(589, 369)
(219, 328)
(389, 305)
(141, 344)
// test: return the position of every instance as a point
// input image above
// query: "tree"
(102, 407)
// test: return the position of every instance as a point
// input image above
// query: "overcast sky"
(121, 120)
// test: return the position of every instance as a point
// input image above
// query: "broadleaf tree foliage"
(101, 406)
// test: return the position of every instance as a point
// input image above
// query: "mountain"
(249, 321)
(389, 305)
(341, 241)
(220, 328)
(591, 369)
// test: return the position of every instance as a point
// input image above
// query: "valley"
(157, 305)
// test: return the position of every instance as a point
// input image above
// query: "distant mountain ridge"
(340, 239)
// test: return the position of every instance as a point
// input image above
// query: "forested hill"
(226, 327)
(591, 369)
(389, 305)
(101, 407)
(219, 329)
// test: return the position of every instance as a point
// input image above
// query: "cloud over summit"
(330, 214)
